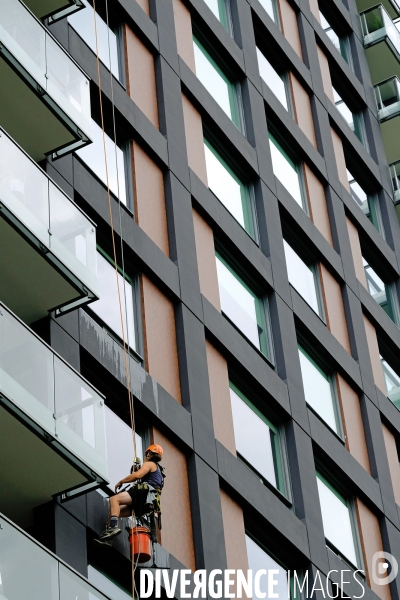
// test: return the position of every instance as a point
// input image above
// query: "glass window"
(341, 43)
(120, 455)
(216, 83)
(368, 204)
(107, 307)
(258, 559)
(220, 10)
(83, 23)
(106, 585)
(383, 294)
(270, 7)
(286, 171)
(302, 277)
(228, 188)
(318, 390)
(242, 306)
(257, 439)
(392, 382)
(337, 520)
(93, 156)
(354, 120)
(277, 83)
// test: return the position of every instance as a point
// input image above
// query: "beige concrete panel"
(184, 35)
(302, 109)
(335, 315)
(315, 9)
(140, 76)
(373, 347)
(206, 260)
(144, 4)
(326, 75)
(353, 423)
(149, 197)
(356, 252)
(161, 353)
(234, 532)
(220, 398)
(340, 159)
(289, 26)
(393, 459)
(194, 140)
(317, 204)
(177, 532)
(371, 542)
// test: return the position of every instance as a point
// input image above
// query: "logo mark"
(384, 563)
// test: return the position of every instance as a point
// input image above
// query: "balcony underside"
(43, 8)
(383, 62)
(34, 121)
(391, 135)
(30, 285)
(31, 470)
(392, 6)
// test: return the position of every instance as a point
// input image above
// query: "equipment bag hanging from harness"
(146, 496)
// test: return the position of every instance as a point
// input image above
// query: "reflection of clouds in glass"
(258, 560)
(337, 522)
(285, 172)
(83, 23)
(269, 7)
(317, 391)
(107, 307)
(238, 303)
(224, 185)
(212, 80)
(273, 80)
(120, 447)
(253, 438)
(93, 156)
(301, 277)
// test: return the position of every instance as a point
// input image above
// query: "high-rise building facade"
(199, 234)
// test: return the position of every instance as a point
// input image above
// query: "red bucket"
(140, 543)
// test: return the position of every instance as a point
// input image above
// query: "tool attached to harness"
(146, 504)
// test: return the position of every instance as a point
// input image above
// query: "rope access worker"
(142, 498)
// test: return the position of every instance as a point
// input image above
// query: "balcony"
(392, 382)
(28, 570)
(382, 43)
(50, 262)
(54, 10)
(395, 176)
(52, 425)
(387, 96)
(45, 96)
(391, 6)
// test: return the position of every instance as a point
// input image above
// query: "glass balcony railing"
(36, 56)
(395, 176)
(387, 96)
(382, 293)
(43, 388)
(28, 570)
(50, 216)
(377, 26)
(392, 382)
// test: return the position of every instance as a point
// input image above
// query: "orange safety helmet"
(154, 449)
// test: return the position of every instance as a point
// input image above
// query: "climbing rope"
(124, 341)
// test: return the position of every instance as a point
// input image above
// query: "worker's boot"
(109, 533)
